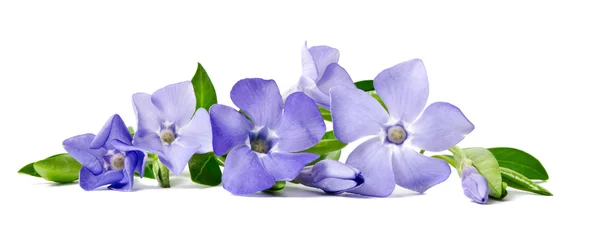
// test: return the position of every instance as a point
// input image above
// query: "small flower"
(474, 185)
(331, 176)
(261, 150)
(107, 158)
(390, 157)
(320, 73)
(168, 126)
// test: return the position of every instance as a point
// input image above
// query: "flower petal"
(148, 116)
(333, 76)
(260, 99)
(286, 166)
(88, 181)
(149, 142)
(114, 129)
(79, 148)
(229, 128)
(441, 126)
(311, 89)
(176, 102)
(301, 126)
(355, 114)
(176, 156)
(404, 89)
(323, 56)
(309, 67)
(373, 159)
(198, 132)
(244, 172)
(418, 172)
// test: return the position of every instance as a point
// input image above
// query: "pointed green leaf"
(325, 114)
(61, 168)
(335, 155)
(148, 172)
(447, 158)
(131, 131)
(366, 85)
(376, 96)
(487, 165)
(519, 181)
(29, 170)
(521, 162)
(205, 170)
(328, 144)
(203, 89)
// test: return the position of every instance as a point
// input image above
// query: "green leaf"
(61, 168)
(325, 114)
(279, 185)
(376, 96)
(203, 89)
(518, 181)
(205, 170)
(335, 155)
(328, 144)
(29, 170)
(148, 172)
(131, 131)
(521, 162)
(504, 192)
(161, 172)
(487, 165)
(365, 85)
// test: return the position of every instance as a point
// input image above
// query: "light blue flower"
(320, 73)
(391, 155)
(170, 126)
(331, 176)
(265, 148)
(107, 158)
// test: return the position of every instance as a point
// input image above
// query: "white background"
(525, 74)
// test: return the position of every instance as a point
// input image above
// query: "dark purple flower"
(262, 149)
(107, 158)
(170, 126)
(474, 185)
(320, 73)
(390, 157)
(331, 176)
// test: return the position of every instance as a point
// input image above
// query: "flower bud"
(331, 176)
(474, 185)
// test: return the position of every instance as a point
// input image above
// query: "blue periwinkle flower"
(262, 150)
(331, 176)
(170, 126)
(390, 157)
(107, 158)
(474, 185)
(320, 73)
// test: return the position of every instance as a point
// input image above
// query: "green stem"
(220, 160)
(447, 159)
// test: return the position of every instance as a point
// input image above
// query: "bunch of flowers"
(270, 139)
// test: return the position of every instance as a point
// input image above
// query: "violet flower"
(261, 150)
(320, 73)
(391, 156)
(170, 126)
(331, 176)
(475, 186)
(107, 158)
